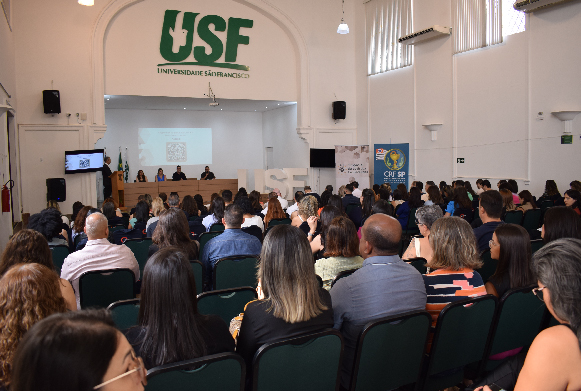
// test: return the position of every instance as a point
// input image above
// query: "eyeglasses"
(418, 223)
(538, 292)
(140, 369)
(492, 243)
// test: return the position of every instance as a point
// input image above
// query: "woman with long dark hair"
(551, 192)
(141, 177)
(367, 201)
(560, 222)
(328, 213)
(170, 328)
(217, 215)
(141, 216)
(460, 200)
(511, 246)
(110, 213)
(249, 217)
(290, 299)
(527, 201)
(77, 351)
(173, 230)
(573, 200)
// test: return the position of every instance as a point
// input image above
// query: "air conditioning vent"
(424, 35)
(533, 5)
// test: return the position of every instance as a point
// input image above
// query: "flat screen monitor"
(87, 160)
(322, 158)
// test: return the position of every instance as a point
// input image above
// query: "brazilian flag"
(120, 168)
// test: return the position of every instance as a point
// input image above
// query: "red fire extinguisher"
(6, 196)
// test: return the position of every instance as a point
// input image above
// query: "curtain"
(476, 24)
(386, 21)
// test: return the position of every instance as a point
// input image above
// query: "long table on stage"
(183, 188)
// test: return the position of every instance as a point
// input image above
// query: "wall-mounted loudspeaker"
(51, 100)
(339, 109)
(56, 189)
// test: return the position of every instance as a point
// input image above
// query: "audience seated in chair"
(420, 247)
(92, 355)
(385, 285)
(98, 254)
(454, 260)
(341, 250)
(217, 215)
(308, 207)
(173, 230)
(170, 328)
(560, 222)
(232, 242)
(250, 218)
(28, 293)
(29, 246)
(290, 301)
(49, 223)
(490, 209)
(156, 209)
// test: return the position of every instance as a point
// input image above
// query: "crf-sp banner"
(352, 164)
(188, 38)
(391, 164)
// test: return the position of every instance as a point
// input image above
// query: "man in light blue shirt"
(230, 243)
(384, 286)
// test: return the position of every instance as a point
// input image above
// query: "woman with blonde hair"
(455, 257)
(308, 207)
(156, 209)
(290, 301)
(28, 293)
(28, 246)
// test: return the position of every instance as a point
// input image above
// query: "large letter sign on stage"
(177, 41)
(391, 164)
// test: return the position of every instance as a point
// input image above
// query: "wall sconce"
(433, 128)
(567, 118)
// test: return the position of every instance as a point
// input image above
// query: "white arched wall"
(278, 17)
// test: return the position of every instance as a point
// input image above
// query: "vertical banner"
(391, 164)
(352, 164)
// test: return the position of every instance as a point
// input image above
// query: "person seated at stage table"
(141, 177)
(179, 175)
(207, 174)
(160, 177)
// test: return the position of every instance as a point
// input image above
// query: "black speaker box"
(51, 99)
(339, 109)
(56, 189)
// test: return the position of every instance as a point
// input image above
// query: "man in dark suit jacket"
(107, 187)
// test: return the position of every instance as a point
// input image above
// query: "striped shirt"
(445, 286)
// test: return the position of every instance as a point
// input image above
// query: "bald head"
(96, 226)
(380, 235)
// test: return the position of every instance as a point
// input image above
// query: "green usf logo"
(177, 43)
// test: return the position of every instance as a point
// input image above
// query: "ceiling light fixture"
(343, 28)
(87, 2)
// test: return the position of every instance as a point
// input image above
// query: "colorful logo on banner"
(391, 164)
(178, 37)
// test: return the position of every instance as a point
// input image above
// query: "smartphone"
(496, 387)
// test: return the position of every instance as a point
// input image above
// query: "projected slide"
(169, 146)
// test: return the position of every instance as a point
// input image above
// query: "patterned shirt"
(445, 286)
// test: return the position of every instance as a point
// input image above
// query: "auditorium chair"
(235, 271)
(217, 227)
(274, 222)
(310, 362)
(59, 253)
(226, 303)
(460, 339)
(419, 263)
(125, 313)
(198, 269)
(140, 249)
(99, 288)
(513, 217)
(532, 219)
(217, 372)
(536, 245)
(254, 230)
(342, 274)
(205, 238)
(488, 265)
(390, 352)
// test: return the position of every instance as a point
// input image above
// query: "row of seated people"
(289, 303)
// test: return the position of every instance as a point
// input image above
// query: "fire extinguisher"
(6, 196)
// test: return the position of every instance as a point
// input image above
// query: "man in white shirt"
(356, 192)
(98, 254)
(295, 207)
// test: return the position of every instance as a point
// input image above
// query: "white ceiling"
(194, 104)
